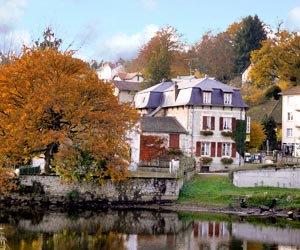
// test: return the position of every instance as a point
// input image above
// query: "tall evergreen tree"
(248, 38)
(269, 128)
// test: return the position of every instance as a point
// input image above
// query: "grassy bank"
(218, 190)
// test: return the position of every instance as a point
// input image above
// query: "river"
(143, 230)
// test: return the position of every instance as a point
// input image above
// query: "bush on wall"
(206, 132)
(227, 160)
(206, 160)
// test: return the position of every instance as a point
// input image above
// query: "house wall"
(291, 143)
(191, 118)
(125, 96)
(134, 142)
(105, 73)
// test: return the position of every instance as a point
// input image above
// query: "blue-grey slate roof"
(189, 93)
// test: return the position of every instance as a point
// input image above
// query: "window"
(290, 116)
(205, 149)
(208, 122)
(289, 132)
(226, 149)
(227, 98)
(207, 97)
(227, 122)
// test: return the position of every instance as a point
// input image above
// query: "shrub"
(227, 160)
(206, 132)
(226, 133)
(73, 195)
(206, 160)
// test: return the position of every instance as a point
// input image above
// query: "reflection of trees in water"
(71, 240)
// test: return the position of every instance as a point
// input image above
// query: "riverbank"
(215, 193)
(205, 193)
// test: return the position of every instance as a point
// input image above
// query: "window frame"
(226, 149)
(289, 132)
(227, 121)
(290, 116)
(205, 148)
(227, 98)
(206, 97)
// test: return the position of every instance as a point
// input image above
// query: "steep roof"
(292, 91)
(127, 86)
(127, 76)
(161, 125)
(187, 92)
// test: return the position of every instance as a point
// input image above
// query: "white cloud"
(14, 41)
(10, 12)
(293, 22)
(125, 46)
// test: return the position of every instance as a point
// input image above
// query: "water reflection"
(140, 230)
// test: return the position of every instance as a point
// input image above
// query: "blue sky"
(108, 30)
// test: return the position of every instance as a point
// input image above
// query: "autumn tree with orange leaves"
(52, 103)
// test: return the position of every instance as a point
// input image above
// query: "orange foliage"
(53, 103)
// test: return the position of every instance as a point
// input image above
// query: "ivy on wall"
(239, 136)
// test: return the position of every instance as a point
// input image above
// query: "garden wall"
(131, 190)
(275, 177)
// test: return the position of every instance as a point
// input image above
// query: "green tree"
(248, 37)
(50, 41)
(215, 55)
(273, 92)
(157, 56)
(269, 125)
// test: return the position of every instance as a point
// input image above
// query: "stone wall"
(131, 190)
(275, 177)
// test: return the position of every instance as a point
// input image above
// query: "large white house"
(291, 121)
(204, 117)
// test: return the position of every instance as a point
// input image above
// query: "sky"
(108, 30)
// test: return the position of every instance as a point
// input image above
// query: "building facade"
(291, 121)
(208, 110)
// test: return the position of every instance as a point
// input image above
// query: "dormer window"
(206, 97)
(227, 98)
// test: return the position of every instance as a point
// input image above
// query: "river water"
(143, 230)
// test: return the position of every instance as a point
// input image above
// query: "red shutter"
(219, 153)
(233, 150)
(221, 123)
(198, 148)
(174, 141)
(204, 125)
(212, 123)
(213, 149)
(233, 124)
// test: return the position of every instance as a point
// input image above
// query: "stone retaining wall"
(275, 177)
(131, 190)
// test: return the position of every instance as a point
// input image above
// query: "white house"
(207, 111)
(245, 73)
(108, 70)
(291, 121)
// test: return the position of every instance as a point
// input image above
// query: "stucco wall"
(283, 178)
(133, 189)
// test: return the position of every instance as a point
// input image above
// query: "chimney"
(176, 90)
